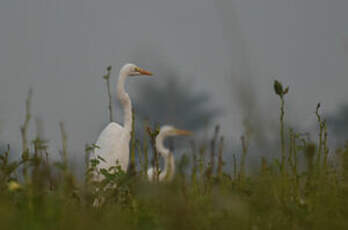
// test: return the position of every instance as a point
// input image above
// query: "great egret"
(113, 142)
(169, 164)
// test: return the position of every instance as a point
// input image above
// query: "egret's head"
(133, 70)
(168, 130)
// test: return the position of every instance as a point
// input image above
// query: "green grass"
(38, 194)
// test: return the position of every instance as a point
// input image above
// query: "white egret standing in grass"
(113, 142)
(169, 164)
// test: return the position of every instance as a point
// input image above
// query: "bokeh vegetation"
(305, 187)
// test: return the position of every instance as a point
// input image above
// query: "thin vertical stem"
(146, 158)
(139, 153)
(64, 145)
(321, 129)
(108, 87)
(194, 162)
(153, 135)
(291, 148)
(211, 168)
(245, 151)
(282, 133)
(24, 130)
(202, 151)
(326, 149)
(234, 166)
(220, 157)
(278, 89)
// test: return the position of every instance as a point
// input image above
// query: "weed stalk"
(108, 87)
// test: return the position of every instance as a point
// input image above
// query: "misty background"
(222, 56)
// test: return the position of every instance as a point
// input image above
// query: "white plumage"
(167, 174)
(113, 142)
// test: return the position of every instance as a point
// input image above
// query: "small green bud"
(278, 88)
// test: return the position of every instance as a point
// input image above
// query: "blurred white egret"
(113, 142)
(169, 164)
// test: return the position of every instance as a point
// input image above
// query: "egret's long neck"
(125, 101)
(169, 164)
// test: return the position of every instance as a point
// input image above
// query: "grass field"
(305, 187)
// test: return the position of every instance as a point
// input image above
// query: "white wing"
(113, 145)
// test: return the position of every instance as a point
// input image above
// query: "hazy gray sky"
(60, 48)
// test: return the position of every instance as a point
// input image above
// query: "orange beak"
(143, 72)
(183, 132)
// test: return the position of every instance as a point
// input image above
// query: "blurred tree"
(174, 102)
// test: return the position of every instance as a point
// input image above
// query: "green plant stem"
(282, 137)
(24, 130)
(108, 87)
(321, 129)
(194, 162)
(220, 157)
(64, 145)
(326, 149)
(146, 157)
(244, 154)
(234, 166)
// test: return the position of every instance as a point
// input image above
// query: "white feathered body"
(113, 147)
